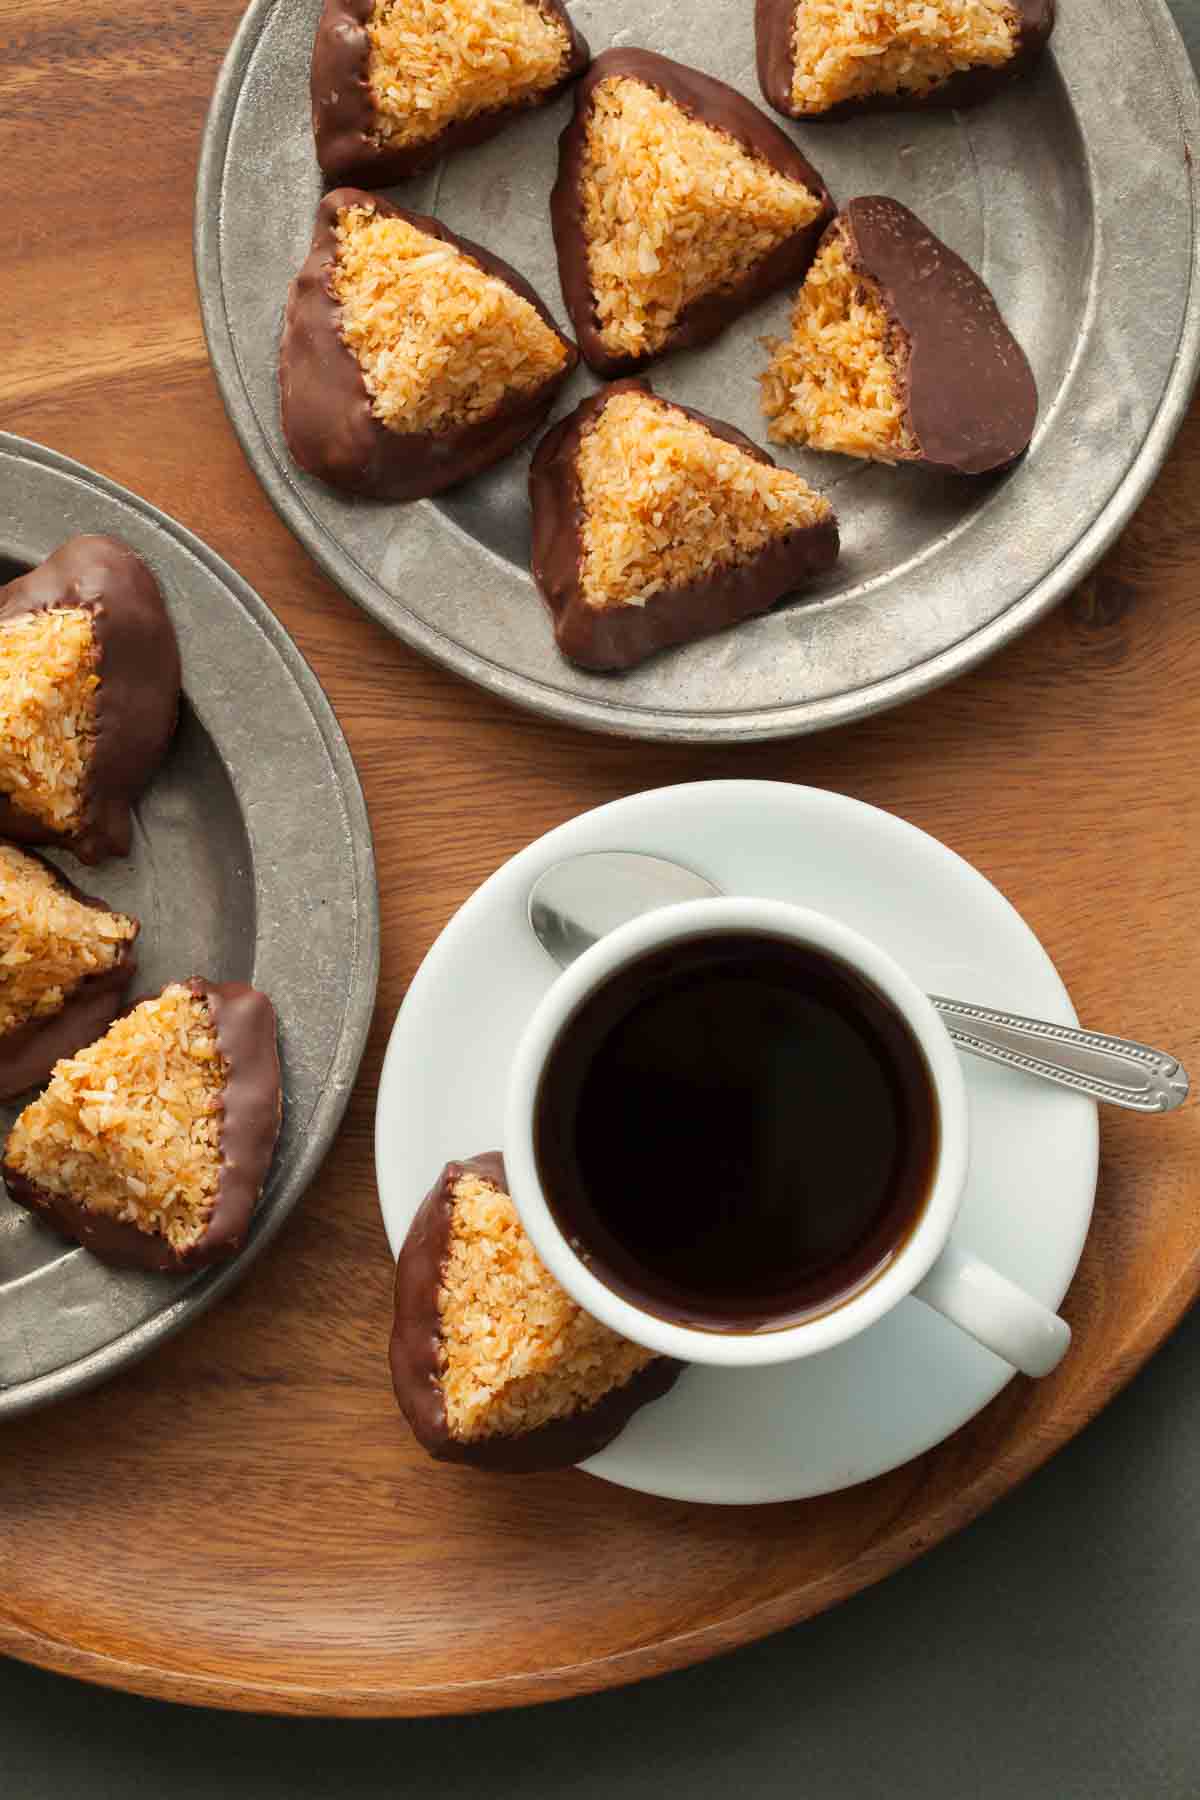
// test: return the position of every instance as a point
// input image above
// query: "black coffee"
(736, 1132)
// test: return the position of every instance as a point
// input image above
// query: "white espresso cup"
(929, 1264)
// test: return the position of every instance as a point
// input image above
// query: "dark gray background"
(1050, 1652)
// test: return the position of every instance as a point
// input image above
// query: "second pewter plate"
(251, 861)
(1073, 194)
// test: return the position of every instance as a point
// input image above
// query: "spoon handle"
(1106, 1068)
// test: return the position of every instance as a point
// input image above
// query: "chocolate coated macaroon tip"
(898, 353)
(419, 1366)
(346, 119)
(964, 86)
(694, 98)
(135, 681)
(249, 1107)
(970, 394)
(29, 1049)
(607, 630)
(330, 418)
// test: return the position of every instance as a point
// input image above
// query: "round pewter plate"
(251, 861)
(1073, 193)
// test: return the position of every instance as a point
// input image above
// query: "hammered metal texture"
(1072, 193)
(251, 861)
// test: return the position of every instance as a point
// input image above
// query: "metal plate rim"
(138, 1342)
(613, 718)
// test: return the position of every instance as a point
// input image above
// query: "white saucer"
(734, 1436)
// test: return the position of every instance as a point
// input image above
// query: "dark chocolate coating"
(969, 394)
(137, 701)
(244, 1021)
(773, 23)
(616, 637)
(343, 109)
(416, 1348)
(713, 104)
(30, 1051)
(326, 409)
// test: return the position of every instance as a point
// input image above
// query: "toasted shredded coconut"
(837, 382)
(439, 342)
(131, 1127)
(848, 49)
(665, 502)
(673, 209)
(49, 941)
(516, 1350)
(433, 62)
(47, 712)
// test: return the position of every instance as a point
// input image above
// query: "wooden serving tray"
(243, 1521)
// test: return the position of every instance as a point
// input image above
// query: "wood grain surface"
(244, 1520)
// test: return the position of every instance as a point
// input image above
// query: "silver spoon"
(576, 902)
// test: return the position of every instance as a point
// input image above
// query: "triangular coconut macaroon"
(677, 206)
(653, 524)
(898, 352)
(397, 83)
(89, 695)
(411, 358)
(828, 59)
(151, 1146)
(492, 1362)
(66, 960)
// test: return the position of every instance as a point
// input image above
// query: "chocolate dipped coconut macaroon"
(678, 205)
(493, 1364)
(654, 524)
(898, 353)
(396, 84)
(151, 1146)
(411, 358)
(89, 696)
(66, 960)
(832, 59)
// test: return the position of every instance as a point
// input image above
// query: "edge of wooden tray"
(280, 1692)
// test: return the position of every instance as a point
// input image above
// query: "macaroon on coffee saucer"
(790, 1432)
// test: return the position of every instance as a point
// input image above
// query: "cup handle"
(995, 1312)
